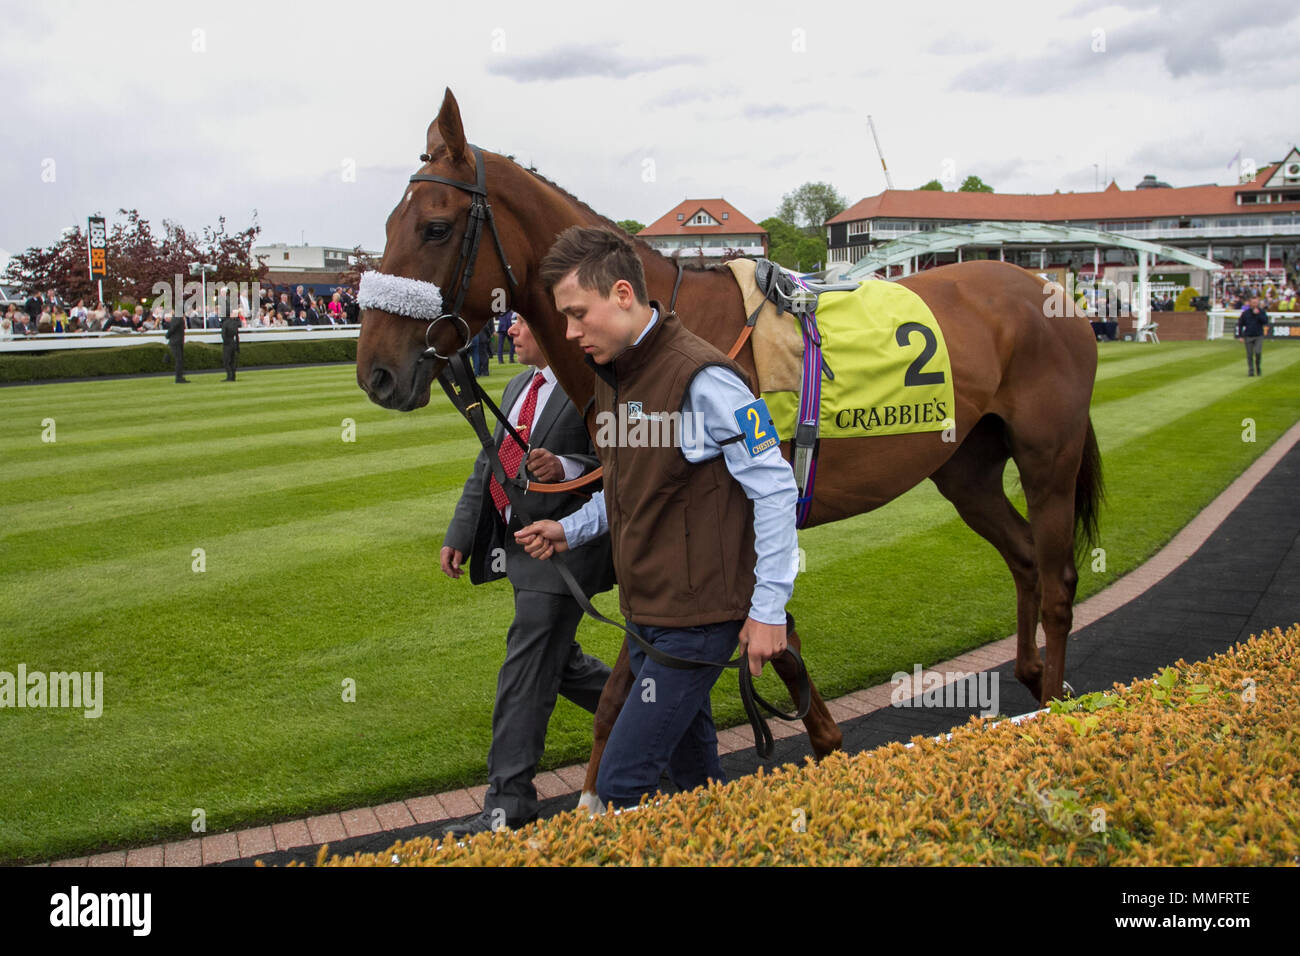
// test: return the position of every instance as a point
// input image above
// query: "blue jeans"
(666, 723)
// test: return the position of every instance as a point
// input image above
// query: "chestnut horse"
(1022, 382)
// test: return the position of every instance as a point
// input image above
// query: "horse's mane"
(606, 221)
(441, 149)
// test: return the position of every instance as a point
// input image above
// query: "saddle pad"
(777, 344)
(892, 373)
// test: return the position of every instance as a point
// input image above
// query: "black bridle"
(480, 211)
(467, 396)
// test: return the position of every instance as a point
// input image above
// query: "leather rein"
(468, 397)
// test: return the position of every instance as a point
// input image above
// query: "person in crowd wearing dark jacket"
(504, 338)
(176, 342)
(230, 343)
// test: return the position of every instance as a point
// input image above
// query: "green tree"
(809, 206)
(631, 226)
(792, 247)
(933, 185)
(974, 184)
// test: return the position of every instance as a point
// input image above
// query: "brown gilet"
(682, 534)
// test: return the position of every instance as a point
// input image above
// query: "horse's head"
(407, 321)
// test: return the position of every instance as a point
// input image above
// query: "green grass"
(223, 689)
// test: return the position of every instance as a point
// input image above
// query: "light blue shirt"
(766, 478)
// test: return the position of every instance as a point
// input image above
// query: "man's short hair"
(601, 257)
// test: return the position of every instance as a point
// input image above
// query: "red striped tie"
(511, 454)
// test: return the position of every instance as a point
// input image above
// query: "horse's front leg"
(823, 733)
(612, 698)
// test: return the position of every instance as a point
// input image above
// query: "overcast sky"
(188, 111)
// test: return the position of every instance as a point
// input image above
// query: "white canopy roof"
(995, 233)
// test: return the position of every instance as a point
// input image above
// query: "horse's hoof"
(591, 803)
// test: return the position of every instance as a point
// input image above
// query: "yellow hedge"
(1200, 765)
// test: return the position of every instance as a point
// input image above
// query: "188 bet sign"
(98, 242)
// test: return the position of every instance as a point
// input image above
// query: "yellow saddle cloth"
(891, 366)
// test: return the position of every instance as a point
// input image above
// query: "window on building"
(681, 216)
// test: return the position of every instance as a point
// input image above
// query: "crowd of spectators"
(301, 307)
(49, 313)
(1275, 290)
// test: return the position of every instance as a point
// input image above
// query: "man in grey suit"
(542, 657)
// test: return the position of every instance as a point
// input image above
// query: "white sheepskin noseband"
(411, 297)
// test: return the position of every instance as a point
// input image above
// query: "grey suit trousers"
(542, 661)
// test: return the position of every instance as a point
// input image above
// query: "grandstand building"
(1252, 229)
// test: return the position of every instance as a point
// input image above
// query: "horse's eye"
(436, 231)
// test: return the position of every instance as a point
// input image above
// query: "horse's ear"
(447, 129)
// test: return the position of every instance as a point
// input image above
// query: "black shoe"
(182, 381)
(484, 823)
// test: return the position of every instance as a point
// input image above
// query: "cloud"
(958, 45)
(683, 95)
(574, 61)
(762, 111)
(1189, 38)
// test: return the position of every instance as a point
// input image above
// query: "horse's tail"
(1088, 493)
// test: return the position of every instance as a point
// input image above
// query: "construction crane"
(888, 179)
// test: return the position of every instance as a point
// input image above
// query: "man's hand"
(451, 562)
(544, 465)
(762, 642)
(541, 539)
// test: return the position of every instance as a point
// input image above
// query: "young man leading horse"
(702, 529)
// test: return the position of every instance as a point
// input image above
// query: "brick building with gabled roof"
(1253, 226)
(706, 229)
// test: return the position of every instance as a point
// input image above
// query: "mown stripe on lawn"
(1123, 419)
(91, 394)
(213, 454)
(178, 427)
(234, 489)
(1130, 363)
(137, 579)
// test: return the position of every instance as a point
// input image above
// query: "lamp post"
(202, 269)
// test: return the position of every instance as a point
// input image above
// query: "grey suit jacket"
(476, 527)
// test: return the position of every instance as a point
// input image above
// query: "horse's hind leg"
(823, 733)
(612, 698)
(1048, 473)
(972, 480)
